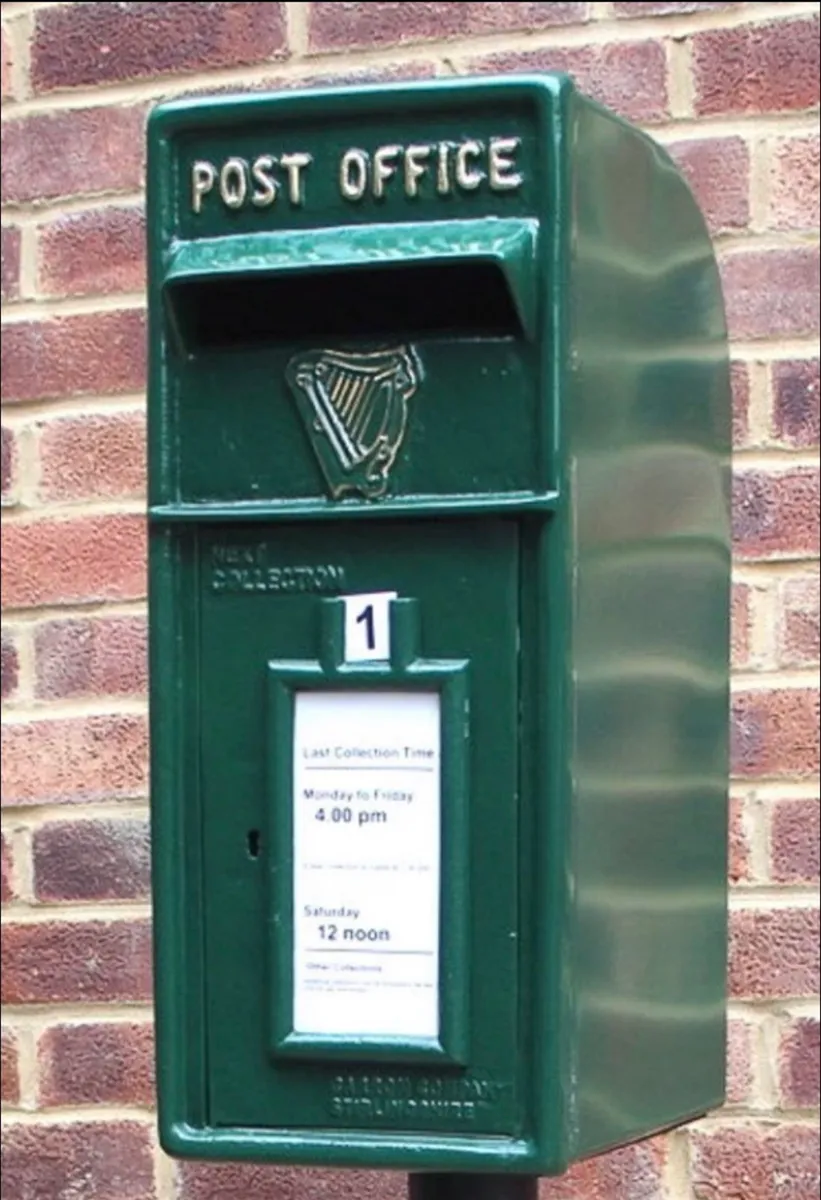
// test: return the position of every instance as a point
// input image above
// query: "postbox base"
(472, 1187)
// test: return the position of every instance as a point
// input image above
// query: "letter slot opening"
(444, 279)
(445, 300)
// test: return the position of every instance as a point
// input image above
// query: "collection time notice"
(367, 780)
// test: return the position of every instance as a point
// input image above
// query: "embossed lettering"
(370, 1098)
(294, 165)
(353, 174)
(502, 164)
(436, 168)
(203, 177)
(384, 167)
(416, 158)
(245, 569)
(234, 183)
(464, 166)
(261, 172)
(469, 177)
(443, 169)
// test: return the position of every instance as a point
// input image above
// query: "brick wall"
(732, 89)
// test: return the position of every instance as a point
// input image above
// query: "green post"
(473, 1187)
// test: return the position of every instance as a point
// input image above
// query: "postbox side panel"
(648, 420)
(260, 603)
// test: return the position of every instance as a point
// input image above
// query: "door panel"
(259, 601)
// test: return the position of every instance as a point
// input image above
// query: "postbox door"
(259, 591)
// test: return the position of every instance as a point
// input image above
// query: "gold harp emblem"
(355, 410)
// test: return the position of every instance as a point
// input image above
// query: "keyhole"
(253, 843)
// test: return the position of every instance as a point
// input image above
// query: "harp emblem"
(355, 410)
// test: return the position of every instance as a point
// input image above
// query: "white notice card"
(367, 771)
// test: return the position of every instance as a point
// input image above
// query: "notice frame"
(404, 672)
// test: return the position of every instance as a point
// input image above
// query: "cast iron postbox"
(439, 444)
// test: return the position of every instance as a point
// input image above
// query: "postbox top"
(352, 100)
(371, 235)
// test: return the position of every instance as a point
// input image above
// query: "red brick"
(96, 1064)
(95, 455)
(794, 841)
(94, 43)
(799, 1056)
(85, 355)
(98, 657)
(8, 464)
(799, 636)
(81, 152)
(774, 953)
(69, 561)
(739, 843)
(67, 962)
(740, 1054)
(755, 1162)
(9, 263)
(775, 515)
(352, 76)
(6, 86)
(766, 68)
(239, 1181)
(629, 77)
(75, 760)
(774, 733)
(771, 293)
(794, 191)
(92, 860)
(633, 1173)
(7, 876)
(658, 8)
(93, 253)
(339, 25)
(9, 1069)
(796, 402)
(357, 76)
(741, 623)
(718, 170)
(740, 379)
(10, 667)
(102, 1161)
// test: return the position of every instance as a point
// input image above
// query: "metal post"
(473, 1187)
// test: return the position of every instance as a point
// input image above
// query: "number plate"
(367, 627)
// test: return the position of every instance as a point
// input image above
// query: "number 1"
(367, 616)
(367, 627)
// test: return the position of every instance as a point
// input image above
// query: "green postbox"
(439, 445)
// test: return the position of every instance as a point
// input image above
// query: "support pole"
(472, 1187)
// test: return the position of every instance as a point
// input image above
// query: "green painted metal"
(556, 518)
(508, 245)
(241, 634)
(650, 546)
